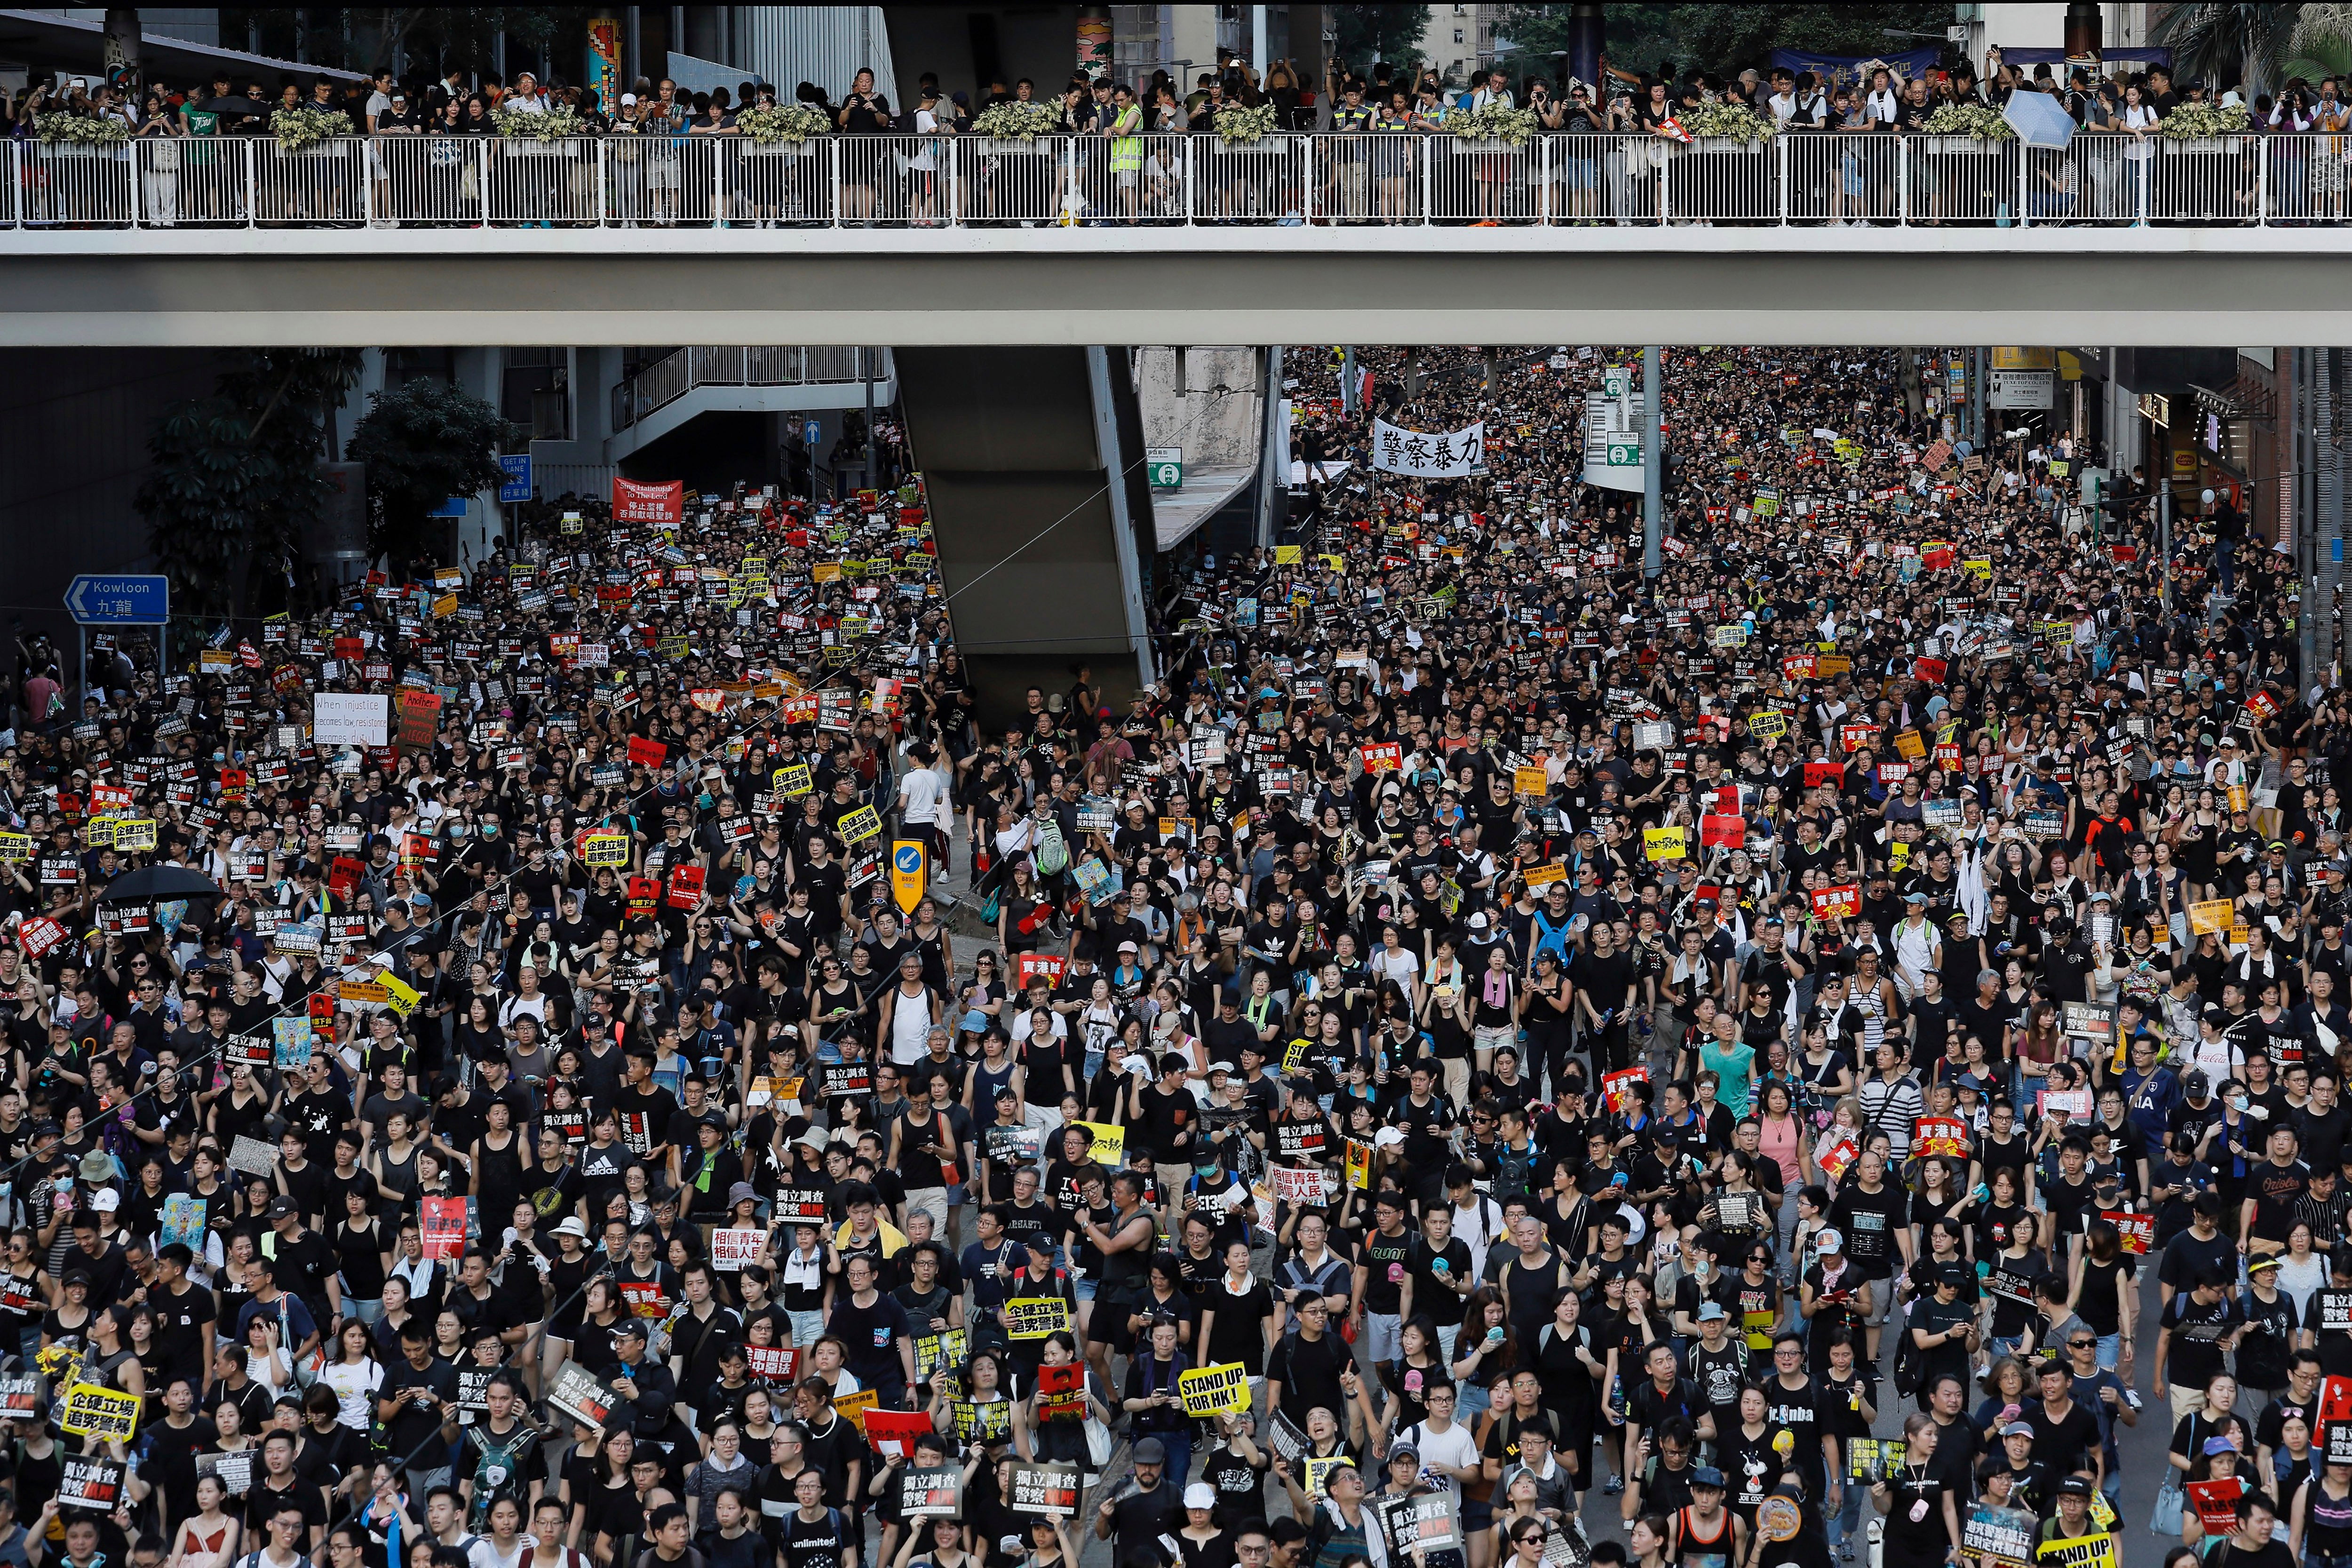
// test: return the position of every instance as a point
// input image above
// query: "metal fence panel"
(1837, 178)
(1126, 180)
(1006, 183)
(777, 184)
(775, 366)
(1262, 182)
(1961, 179)
(543, 184)
(1717, 180)
(2211, 181)
(191, 181)
(79, 185)
(1486, 182)
(321, 186)
(427, 181)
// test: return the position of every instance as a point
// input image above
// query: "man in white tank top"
(908, 1010)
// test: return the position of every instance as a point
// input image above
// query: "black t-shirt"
(2066, 1444)
(1310, 1373)
(1868, 1221)
(2197, 1331)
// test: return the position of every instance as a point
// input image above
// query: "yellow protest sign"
(92, 1411)
(16, 847)
(1530, 783)
(1287, 554)
(1034, 1317)
(1220, 1390)
(1768, 725)
(1359, 1165)
(861, 824)
(1665, 843)
(1980, 569)
(1336, 562)
(855, 1405)
(606, 849)
(1109, 1148)
(792, 780)
(2215, 915)
(400, 997)
(1544, 876)
(1909, 746)
(2077, 1551)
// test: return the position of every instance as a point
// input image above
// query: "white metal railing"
(679, 371)
(902, 181)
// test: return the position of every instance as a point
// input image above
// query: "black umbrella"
(232, 105)
(153, 884)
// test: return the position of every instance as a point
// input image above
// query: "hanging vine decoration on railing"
(2193, 121)
(1730, 121)
(1493, 122)
(1013, 120)
(1239, 127)
(552, 123)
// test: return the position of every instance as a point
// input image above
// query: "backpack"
(1910, 1361)
(1052, 856)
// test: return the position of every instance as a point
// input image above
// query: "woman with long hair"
(209, 1538)
(1921, 1507)
(354, 1373)
(1486, 1348)
(2102, 1291)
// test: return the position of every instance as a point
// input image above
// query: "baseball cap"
(1706, 1476)
(1711, 1312)
(1828, 1241)
(281, 1208)
(107, 1200)
(2080, 1486)
(2017, 1429)
(1200, 1494)
(1404, 1451)
(1151, 1451)
(2218, 1445)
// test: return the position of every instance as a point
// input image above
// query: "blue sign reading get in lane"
(113, 601)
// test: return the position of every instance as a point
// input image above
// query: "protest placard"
(20, 1395)
(581, 1395)
(852, 1407)
(773, 1363)
(1034, 1317)
(1993, 1537)
(254, 1156)
(986, 1421)
(1050, 1490)
(893, 1432)
(1298, 1186)
(444, 1223)
(796, 1205)
(733, 1250)
(1429, 1521)
(93, 1486)
(1109, 1148)
(1219, 1390)
(931, 1491)
(1940, 1135)
(234, 1472)
(946, 1348)
(94, 1411)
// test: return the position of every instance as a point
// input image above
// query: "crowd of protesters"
(1488, 1030)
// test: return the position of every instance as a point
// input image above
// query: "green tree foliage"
(423, 443)
(233, 477)
(2240, 44)
(1388, 33)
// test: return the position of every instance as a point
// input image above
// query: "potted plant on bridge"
(1014, 126)
(306, 129)
(1723, 171)
(787, 129)
(1969, 175)
(81, 134)
(2209, 166)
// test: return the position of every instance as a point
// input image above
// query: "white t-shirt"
(924, 792)
(352, 1385)
(1454, 1447)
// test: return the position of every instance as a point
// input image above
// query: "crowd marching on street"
(1493, 1057)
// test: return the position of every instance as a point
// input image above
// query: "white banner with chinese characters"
(1446, 455)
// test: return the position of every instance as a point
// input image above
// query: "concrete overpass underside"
(1183, 285)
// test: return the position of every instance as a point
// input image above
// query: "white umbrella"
(2039, 120)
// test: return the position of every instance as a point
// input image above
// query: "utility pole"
(1347, 381)
(2164, 542)
(1653, 387)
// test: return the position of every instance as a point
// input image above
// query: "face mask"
(2237, 1103)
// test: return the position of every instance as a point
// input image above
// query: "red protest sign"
(685, 887)
(636, 502)
(39, 935)
(344, 876)
(444, 1223)
(1840, 904)
(1730, 832)
(1613, 1086)
(1383, 757)
(643, 891)
(1031, 964)
(1819, 774)
(1945, 1135)
(2138, 1230)
(647, 753)
(894, 1432)
(1930, 670)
